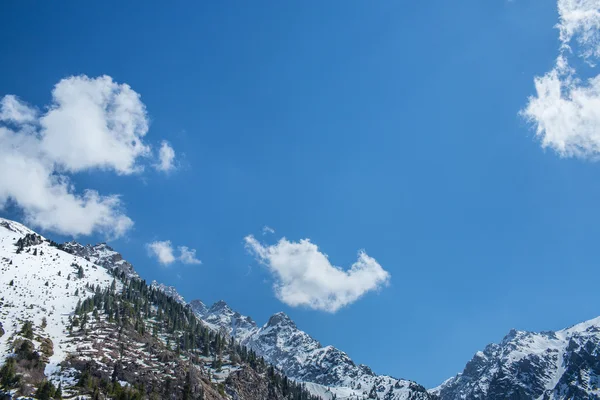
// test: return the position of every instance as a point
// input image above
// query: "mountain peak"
(100, 254)
(198, 307)
(168, 290)
(281, 319)
(219, 306)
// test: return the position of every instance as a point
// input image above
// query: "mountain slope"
(326, 370)
(69, 327)
(101, 254)
(528, 365)
(38, 282)
(79, 318)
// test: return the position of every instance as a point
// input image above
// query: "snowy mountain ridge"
(527, 365)
(43, 282)
(100, 254)
(170, 291)
(70, 328)
(303, 358)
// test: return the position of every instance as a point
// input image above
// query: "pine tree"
(8, 373)
(27, 330)
(187, 387)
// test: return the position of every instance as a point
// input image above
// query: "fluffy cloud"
(305, 277)
(566, 108)
(95, 123)
(91, 123)
(166, 158)
(165, 254)
(163, 251)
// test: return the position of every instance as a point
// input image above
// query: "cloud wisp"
(166, 157)
(565, 111)
(305, 277)
(267, 230)
(164, 253)
(90, 124)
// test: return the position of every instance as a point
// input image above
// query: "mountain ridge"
(74, 329)
(304, 358)
(52, 286)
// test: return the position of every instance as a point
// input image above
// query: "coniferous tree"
(8, 373)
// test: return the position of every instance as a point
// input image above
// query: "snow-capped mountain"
(325, 369)
(528, 365)
(70, 310)
(170, 291)
(42, 284)
(101, 254)
(77, 322)
(223, 319)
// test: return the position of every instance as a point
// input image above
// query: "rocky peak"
(168, 290)
(532, 365)
(101, 254)
(281, 319)
(220, 306)
(303, 358)
(198, 307)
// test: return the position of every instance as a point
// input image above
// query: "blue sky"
(389, 127)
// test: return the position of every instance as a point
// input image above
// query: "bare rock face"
(101, 254)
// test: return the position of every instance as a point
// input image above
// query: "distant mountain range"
(48, 284)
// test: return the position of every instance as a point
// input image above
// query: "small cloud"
(188, 256)
(166, 158)
(162, 250)
(165, 254)
(305, 277)
(267, 230)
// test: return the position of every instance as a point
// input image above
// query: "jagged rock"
(101, 254)
(326, 369)
(528, 365)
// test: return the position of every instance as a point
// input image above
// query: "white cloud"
(166, 158)
(15, 111)
(95, 123)
(188, 256)
(267, 230)
(566, 108)
(165, 254)
(163, 251)
(305, 277)
(91, 123)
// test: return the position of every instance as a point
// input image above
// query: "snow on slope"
(223, 319)
(170, 291)
(103, 255)
(326, 370)
(546, 365)
(43, 285)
